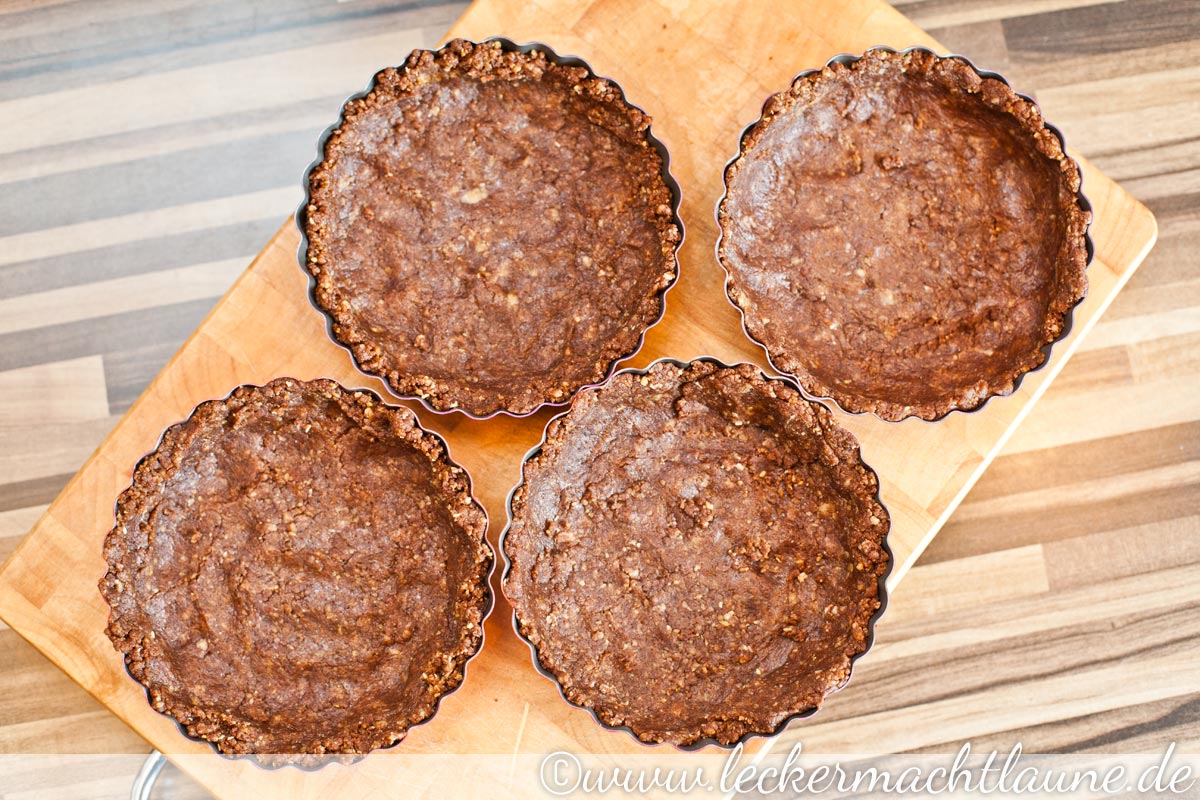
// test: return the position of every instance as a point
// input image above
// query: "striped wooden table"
(139, 173)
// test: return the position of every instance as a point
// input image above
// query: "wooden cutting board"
(702, 70)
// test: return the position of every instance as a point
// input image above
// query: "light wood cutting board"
(702, 70)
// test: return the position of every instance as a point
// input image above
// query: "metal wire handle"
(143, 783)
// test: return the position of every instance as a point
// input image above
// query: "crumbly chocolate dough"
(297, 569)
(696, 552)
(903, 235)
(489, 230)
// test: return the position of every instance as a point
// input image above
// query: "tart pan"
(313, 762)
(507, 45)
(846, 59)
(710, 741)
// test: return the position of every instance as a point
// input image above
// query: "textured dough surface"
(489, 230)
(696, 552)
(297, 569)
(902, 235)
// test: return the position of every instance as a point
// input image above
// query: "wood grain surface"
(1066, 576)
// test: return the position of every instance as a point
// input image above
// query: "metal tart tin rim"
(708, 741)
(489, 605)
(1081, 199)
(507, 45)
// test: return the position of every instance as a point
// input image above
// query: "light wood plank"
(118, 295)
(173, 96)
(134, 227)
(58, 392)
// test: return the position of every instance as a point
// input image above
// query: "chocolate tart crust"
(696, 553)
(489, 230)
(935, 244)
(297, 569)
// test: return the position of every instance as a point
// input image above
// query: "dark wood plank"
(101, 335)
(34, 492)
(64, 44)
(238, 240)
(1103, 29)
